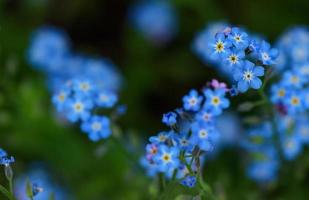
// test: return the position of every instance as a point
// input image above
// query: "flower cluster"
(241, 56)
(177, 152)
(155, 20)
(79, 84)
(5, 159)
(263, 159)
(290, 95)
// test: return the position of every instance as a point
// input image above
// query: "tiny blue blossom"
(266, 54)
(216, 100)
(97, 127)
(192, 101)
(247, 76)
(238, 38)
(78, 108)
(169, 118)
(219, 46)
(106, 99)
(167, 158)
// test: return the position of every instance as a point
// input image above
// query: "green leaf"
(29, 190)
(6, 193)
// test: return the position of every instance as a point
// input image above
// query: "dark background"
(156, 78)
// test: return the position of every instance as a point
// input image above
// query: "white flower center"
(248, 75)
(265, 56)
(219, 47)
(61, 97)
(84, 86)
(237, 38)
(166, 157)
(78, 107)
(233, 59)
(215, 100)
(96, 126)
(203, 133)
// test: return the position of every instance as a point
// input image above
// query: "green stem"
(6, 193)
(206, 190)
(11, 186)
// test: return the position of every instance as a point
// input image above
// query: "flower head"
(247, 76)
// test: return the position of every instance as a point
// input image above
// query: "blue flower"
(40, 179)
(219, 46)
(155, 20)
(192, 101)
(106, 99)
(183, 142)
(238, 38)
(169, 118)
(247, 76)
(215, 100)
(234, 59)
(97, 127)
(167, 158)
(60, 98)
(83, 87)
(203, 136)
(5, 159)
(262, 172)
(150, 166)
(48, 46)
(278, 93)
(302, 128)
(291, 146)
(294, 102)
(206, 116)
(266, 54)
(257, 137)
(78, 108)
(189, 181)
(293, 79)
(161, 138)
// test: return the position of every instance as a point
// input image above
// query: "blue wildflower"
(247, 76)
(83, 87)
(183, 142)
(262, 172)
(238, 38)
(215, 100)
(192, 101)
(78, 108)
(5, 159)
(189, 181)
(291, 146)
(48, 46)
(293, 79)
(106, 99)
(219, 46)
(97, 127)
(278, 93)
(234, 59)
(169, 118)
(206, 115)
(167, 158)
(302, 128)
(266, 54)
(294, 103)
(156, 20)
(59, 99)
(162, 137)
(203, 136)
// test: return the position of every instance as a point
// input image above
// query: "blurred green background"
(155, 80)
